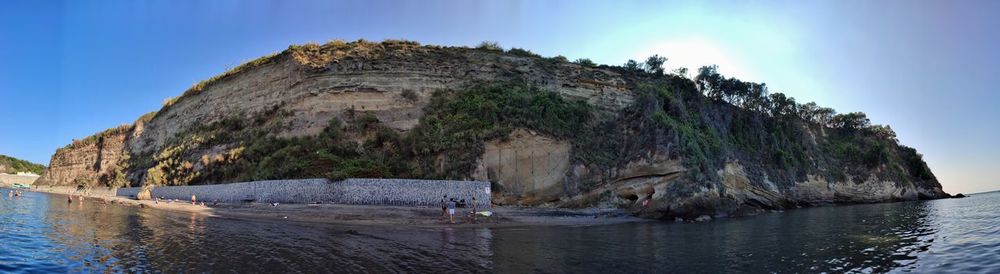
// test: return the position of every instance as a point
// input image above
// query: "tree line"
(756, 97)
(13, 165)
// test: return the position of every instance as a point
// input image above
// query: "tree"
(884, 132)
(756, 97)
(782, 105)
(824, 115)
(709, 80)
(850, 121)
(654, 64)
(734, 91)
(681, 71)
(807, 111)
(632, 66)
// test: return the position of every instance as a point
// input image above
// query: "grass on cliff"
(311, 55)
(89, 140)
(444, 145)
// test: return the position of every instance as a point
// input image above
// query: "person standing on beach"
(194, 200)
(444, 206)
(451, 210)
(475, 210)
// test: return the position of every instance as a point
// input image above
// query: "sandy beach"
(370, 215)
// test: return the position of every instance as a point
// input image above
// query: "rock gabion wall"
(394, 192)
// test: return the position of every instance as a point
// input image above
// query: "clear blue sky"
(69, 69)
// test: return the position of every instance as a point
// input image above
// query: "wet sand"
(99, 197)
(375, 215)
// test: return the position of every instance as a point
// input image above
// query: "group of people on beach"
(69, 197)
(448, 206)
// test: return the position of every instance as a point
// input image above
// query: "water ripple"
(44, 234)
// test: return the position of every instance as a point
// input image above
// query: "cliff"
(543, 131)
(88, 162)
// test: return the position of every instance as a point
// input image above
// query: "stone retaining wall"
(396, 192)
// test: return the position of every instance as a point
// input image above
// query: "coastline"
(504, 216)
(107, 196)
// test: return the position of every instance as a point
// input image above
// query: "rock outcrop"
(529, 167)
(633, 153)
(88, 162)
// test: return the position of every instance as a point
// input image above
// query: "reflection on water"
(875, 238)
(42, 233)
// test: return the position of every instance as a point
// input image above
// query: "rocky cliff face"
(321, 82)
(390, 97)
(88, 162)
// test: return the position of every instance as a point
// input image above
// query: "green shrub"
(585, 62)
(410, 95)
(457, 123)
(522, 52)
(490, 45)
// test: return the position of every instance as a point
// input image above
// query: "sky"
(69, 69)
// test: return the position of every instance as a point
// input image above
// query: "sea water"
(42, 233)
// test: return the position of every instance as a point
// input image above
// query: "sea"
(42, 233)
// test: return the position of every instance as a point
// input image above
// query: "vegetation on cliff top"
(778, 127)
(13, 165)
(89, 140)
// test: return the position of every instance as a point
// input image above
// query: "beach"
(416, 216)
